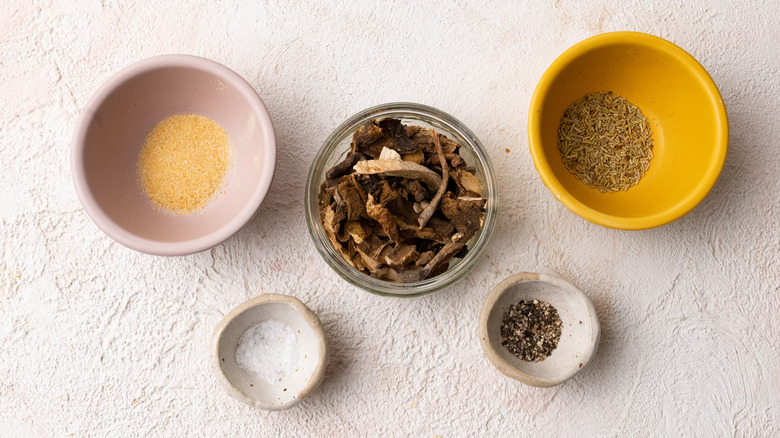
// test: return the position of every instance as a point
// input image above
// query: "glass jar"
(335, 150)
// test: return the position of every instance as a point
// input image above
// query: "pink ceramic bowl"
(111, 131)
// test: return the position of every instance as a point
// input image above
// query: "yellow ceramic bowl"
(681, 102)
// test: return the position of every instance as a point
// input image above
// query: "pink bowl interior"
(111, 133)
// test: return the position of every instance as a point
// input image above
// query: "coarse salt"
(269, 350)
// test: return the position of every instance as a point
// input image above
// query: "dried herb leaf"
(605, 142)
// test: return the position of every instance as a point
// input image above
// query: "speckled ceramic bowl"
(579, 336)
(111, 131)
(295, 385)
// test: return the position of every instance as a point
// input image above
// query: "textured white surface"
(98, 340)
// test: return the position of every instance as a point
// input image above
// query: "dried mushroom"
(465, 213)
(403, 203)
(445, 175)
(403, 169)
(344, 166)
(467, 182)
(353, 196)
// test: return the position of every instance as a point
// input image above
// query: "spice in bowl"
(403, 203)
(605, 142)
(531, 330)
(183, 162)
(269, 350)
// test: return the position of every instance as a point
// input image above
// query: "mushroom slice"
(370, 264)
(397, 202)
(406, 276)
(357, 262)
(404, 169)
(353, 197)
(416, 189)
(372, 246)
(381, 214)
(369, 139)
(438, 261)
(331, 221)
(357, 231)
(394, 129)
(339, 247)
(401, 255)
(369, 251)
(326, 191)
(455, 160)
(424, 258)
(467, 181)
(426, 233)
(388, 154)
(466, 215)
(424, 137)
(344, 166)
(442, 227)
(343, 236)
(415, 157)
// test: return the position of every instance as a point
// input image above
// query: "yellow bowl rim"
(577, 207)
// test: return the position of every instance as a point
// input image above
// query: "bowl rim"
(544, 86)
(202, 243)
(311, 318)
(502, 364)
(383, 287)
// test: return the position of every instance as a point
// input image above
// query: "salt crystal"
(269, 350)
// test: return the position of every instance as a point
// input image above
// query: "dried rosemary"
(531, 330)
(605, 142)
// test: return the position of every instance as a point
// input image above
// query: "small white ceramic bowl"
(111, 131)
(293, 387)
(579, 337)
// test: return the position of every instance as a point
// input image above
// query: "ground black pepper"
(531, 330)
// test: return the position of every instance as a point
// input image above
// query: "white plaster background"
(98, 340)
